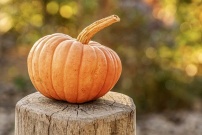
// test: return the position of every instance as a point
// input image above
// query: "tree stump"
(113, 114)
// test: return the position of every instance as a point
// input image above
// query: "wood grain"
(113, 114)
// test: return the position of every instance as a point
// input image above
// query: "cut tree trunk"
(113, 114)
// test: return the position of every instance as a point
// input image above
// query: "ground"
(175, 123)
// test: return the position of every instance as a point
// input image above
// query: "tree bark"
(113, 114)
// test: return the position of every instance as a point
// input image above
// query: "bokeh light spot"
(66, 11)
(199, 58)
(74, 6)
(37, 20)
(52, 7)
(5, 1)
(191, 70)
(6, 22)
(200, 16)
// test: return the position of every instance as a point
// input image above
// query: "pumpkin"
(74, 70)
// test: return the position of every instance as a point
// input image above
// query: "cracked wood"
(113, 114)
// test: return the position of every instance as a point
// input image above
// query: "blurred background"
(158, 41)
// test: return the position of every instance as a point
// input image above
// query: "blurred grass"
(158, 41)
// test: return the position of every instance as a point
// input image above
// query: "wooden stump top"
(36, 112)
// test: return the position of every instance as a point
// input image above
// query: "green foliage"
(159, 42)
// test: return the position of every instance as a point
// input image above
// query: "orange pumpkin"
(74, 70)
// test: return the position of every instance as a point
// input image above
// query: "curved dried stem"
(86, 34)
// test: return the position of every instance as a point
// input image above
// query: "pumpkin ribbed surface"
(62, 68)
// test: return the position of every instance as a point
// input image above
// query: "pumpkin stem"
(86, 34)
